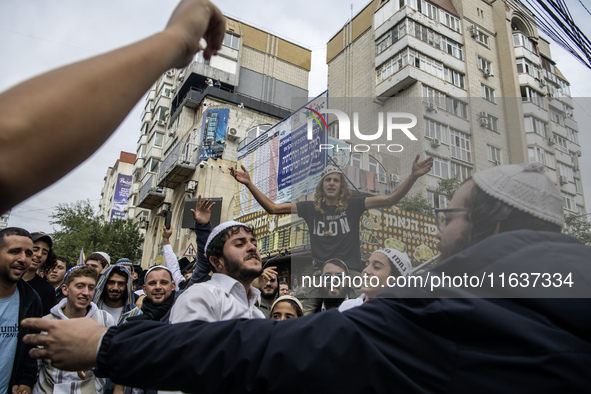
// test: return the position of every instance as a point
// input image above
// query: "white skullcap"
(399, 260)
(329, 170)
(525, 187)
(219, 229)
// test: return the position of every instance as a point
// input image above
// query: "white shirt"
(172, 264)
(221, 298)
(350, 304)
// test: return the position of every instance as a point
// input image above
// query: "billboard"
(121, 196)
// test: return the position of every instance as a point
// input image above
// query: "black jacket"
(24, 369)
(447, 341)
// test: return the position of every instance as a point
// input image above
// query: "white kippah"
(525, 187)
(285, 298)
(106, 256)
(155, 267)
(219, 229)
(398, 259)
(329, 170)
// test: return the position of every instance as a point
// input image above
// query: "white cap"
(329, 170)
(525, 187)
(219, 229)
(399, 260)
(106, 256)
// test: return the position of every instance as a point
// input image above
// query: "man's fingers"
(37, 324)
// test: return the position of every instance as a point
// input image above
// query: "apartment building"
(116, 189)
(477, 76)
(194, 122)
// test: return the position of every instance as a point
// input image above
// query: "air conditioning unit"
(167, 114)
(487, 73)
(483, 121)
(497, 162)
(431, 107)
(232, 134)
(578, 153)
(550, 141)
(563, 180)
(191, 186)
(162, 209)
(170, 73)
(394, 178)
(550, 95)
(473, 31)
(171, 133)
(576, 168)
(435, 143)
(542, 82)
(173, 90)
(181, 77)
(161, 123)
(144, 224)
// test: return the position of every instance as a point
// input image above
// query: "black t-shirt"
(46, 292)
(334, 235)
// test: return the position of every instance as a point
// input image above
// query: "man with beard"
(17, 301)
(159, 290)
(268, 291)
(114, 294)
(231, 249)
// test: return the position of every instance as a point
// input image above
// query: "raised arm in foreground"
(75, 108)
(265, 202)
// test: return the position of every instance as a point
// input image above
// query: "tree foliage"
(417, 203)
(447, 187)
(579, 227)
(80, 228)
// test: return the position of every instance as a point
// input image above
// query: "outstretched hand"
(241, 176)
(193, 20)
(202, 211)
(70, 344)
(420, 168)
(268, 274)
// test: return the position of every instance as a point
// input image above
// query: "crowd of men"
(510, 332)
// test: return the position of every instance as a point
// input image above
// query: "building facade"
(194, 122)
(479, 79)
(116, 189)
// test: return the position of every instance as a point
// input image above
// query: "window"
(460, 172)
(564, 87)
(457, 107)
(485, 65)
(520, 40)
(488, 93)
(524, 66)
(572, 135)
(569, 201)
(528, 94)
(436, 130)
(489, 121)
(452, 47)
(231, 40)
(440, 168)
(581, 210)
(333, 130)
(161, 114)
(164, 90)
(578, 186)
(454, 77)
(158, 138)
(460, 145)
(375, 166)
(153, 164)
(436, 200)
(535, 125)
(434, 96)
(560, 142)
(565, 171)
(428, 9)
(481, 38)
(384, 43)
(450, 21)
(538, 154)
(494, 154)
(557, 117)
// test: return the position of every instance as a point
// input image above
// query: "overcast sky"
(36, 36)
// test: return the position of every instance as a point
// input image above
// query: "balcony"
(178, 165)
(194, 96)
(151, 195)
